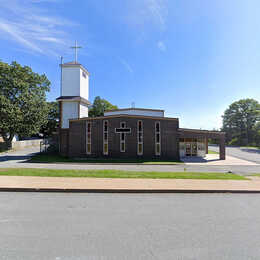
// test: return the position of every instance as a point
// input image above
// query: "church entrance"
(192, 147)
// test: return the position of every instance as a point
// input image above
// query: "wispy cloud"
(161, 46)
(126, 65)
(147, 12)
(30, 25)
(158, 10)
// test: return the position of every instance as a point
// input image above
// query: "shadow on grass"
(55, 158)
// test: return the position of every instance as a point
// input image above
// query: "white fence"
(26, 143)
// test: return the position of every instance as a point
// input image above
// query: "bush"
(3, 147)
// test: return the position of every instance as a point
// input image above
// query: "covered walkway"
(204, 134)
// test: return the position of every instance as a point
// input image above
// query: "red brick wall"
(64, 141)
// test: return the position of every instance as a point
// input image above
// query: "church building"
(122, 133)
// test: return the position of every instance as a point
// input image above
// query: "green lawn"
(212, 152)
(54, 158)
(250, 147)
(120, 174)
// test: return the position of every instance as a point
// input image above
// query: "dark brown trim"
(188, 130)
(73, 99)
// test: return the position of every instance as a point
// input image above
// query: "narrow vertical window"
(105, 137)
(88, 138)
(139, 137)
(122, 138)
(157, 138)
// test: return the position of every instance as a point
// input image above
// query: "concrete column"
(207, 145)
(222, 148)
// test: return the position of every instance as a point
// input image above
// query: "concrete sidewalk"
(59, 184)
(213, 159)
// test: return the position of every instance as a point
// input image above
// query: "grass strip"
(120, 174)
(212, 152)
(250, 147)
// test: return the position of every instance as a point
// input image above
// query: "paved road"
(248, 154)
(18, 159)
(122, 226)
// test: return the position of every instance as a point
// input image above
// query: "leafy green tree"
(99, 106)
(53, 119)
(23, 107)
(257, 134)
(239, 121)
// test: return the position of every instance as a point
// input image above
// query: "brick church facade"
(123, 133)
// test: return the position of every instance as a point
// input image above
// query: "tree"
(23, 107)
(239, 121)
(53, 119)
(99, 106)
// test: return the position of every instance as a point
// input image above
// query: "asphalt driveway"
(21, 155)
(248, 154)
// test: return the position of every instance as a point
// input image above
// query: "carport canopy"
(194, 133)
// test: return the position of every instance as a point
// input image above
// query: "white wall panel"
(69, 111)
(83, 111)
(70, 81)
(136, 112)
(84, 84)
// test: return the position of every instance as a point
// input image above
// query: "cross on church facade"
(76, 47)
(122, 130)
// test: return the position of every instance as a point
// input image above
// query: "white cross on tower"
(76, 47)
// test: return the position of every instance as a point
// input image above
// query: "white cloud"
(126, 65)
(158, 10)
(161, 46)
(14, 32)
(26, 23)
(147, 12)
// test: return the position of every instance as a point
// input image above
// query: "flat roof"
(133, 108)
(200, 131)
(197, 133)
(124, 115)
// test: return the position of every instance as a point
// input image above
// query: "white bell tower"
(74, 91)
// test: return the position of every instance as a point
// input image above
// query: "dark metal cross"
(76, 47)
(123, 129)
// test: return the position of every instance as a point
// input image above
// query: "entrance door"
(188, 149)
(194, 149)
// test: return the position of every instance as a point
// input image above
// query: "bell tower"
(74, 92)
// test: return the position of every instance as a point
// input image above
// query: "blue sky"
(191, 58)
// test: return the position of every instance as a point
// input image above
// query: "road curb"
(56, 190)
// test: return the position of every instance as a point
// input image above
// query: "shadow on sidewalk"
(195, 159)
(20, 158)
(250, 150)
